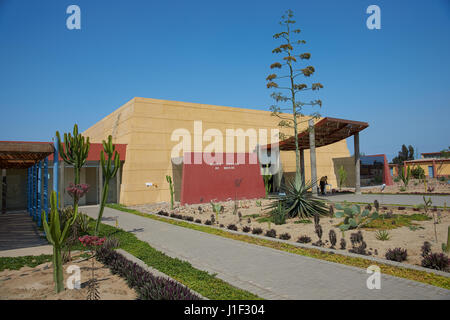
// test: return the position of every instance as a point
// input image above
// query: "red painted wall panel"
(204, 182)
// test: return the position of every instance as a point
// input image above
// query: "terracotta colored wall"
(146, 126)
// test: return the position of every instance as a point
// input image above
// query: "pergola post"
(56, 170)
(302, 164)
(33, 192)
(46, 188)
(39, 186)
(312, 154)
(357, 164)
(4, 186)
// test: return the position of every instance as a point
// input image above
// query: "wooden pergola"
(324, 132)
(32, 156)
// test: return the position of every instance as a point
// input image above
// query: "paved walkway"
(389, 199)
(19, 236)
(269, 273)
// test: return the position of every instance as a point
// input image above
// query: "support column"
(118, 178)
(33, 191)
(312, 154)
(56, 170)
(45, 198)
(357, 164)
(4, 186)
(39, 190)
(302, 164)
(28, 190)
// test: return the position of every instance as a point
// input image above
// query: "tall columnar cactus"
(74, 150)
(109, 169)
(169, 181)
(446, 247)
(56, 235)
(405, 175)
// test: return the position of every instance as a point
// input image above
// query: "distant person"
(323, 183)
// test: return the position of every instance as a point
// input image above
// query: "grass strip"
(15, 263)
(416, 275)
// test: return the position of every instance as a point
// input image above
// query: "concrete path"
(389, 199)
(269, 273)
(19, 232)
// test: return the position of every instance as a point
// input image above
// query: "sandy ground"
(402, 237)
(414, 185)
(37, 283)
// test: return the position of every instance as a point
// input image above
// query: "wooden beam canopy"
(22, 155)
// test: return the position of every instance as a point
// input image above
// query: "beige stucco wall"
(146, 126)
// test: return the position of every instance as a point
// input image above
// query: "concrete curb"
(153, 271)
(328, 250)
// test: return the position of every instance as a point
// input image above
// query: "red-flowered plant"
(91, 241)
(77, 191)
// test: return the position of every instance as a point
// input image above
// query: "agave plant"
(298, 202)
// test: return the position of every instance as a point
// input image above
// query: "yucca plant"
(298, 202)
(56, 234)
(109, 169)
(382, 235)
(405, 175)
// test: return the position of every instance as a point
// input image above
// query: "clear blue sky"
(219, 52)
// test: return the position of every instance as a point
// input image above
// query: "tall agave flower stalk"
(56, 234)
(74, 152)
(109, 169)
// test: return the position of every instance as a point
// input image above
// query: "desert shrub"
(304, 239)
(232, 227)
(147, 286)
(221, 225)
(246, 229)
(397, 254)
(173, 215)
(425, 249)
(279, 214)
(343, 244)
(208, 222)
(272, 233)
(111, 243)
(257, 231)
(437, 261)
(285, 236)
(198, 221)
(188, 218)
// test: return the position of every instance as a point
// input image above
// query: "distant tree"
(290, 59)
(445, 154)
(407, 153)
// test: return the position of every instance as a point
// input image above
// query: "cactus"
(56, 234)
(333, 238)
(446, 247)
(405, 175)
(109, 172)
(74, 151)
(169, 180)
(353, 217)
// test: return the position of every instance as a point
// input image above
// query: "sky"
(396, 78)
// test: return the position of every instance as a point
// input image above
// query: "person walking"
(323, 183)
